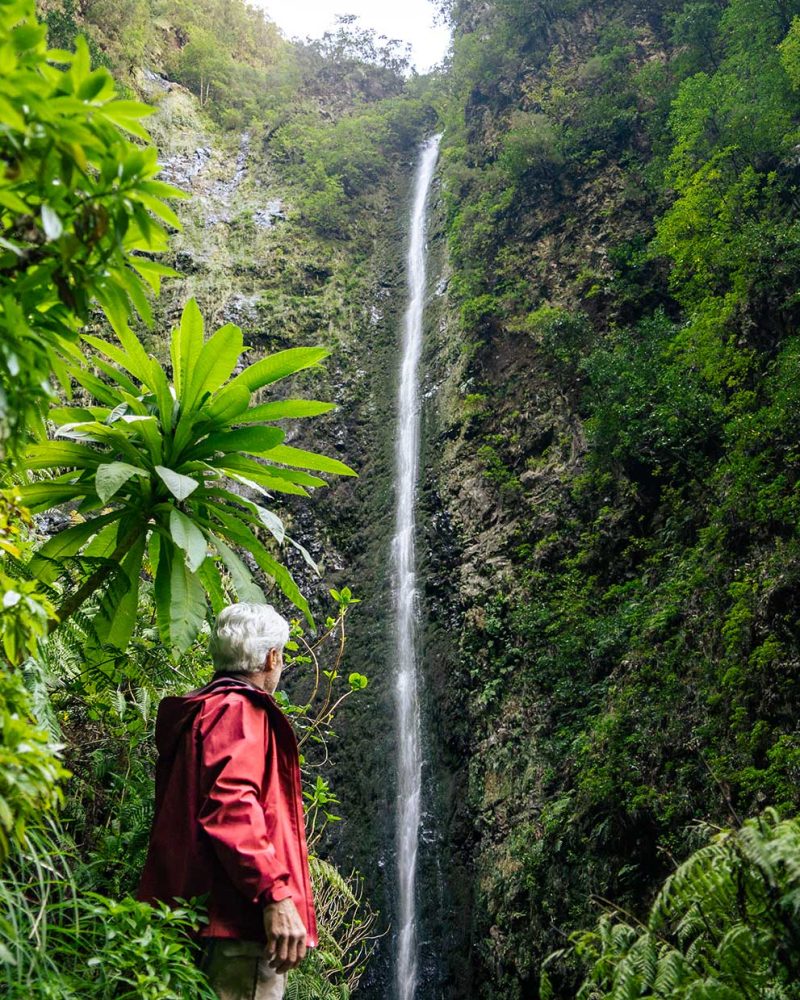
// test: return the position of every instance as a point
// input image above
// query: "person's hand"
(286, 935)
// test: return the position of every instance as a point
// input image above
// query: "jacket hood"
(176, 713)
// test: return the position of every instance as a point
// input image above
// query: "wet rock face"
(182, 169)
(272, 212)
(52, 522)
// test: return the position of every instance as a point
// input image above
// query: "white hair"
(243, 634)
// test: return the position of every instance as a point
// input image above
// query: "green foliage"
(30, 768)
(25, 612)
(790, 53)
(621, 193)
(78, 205)
(648, 407)
(152, 457)
(724, 925)
(57, 943)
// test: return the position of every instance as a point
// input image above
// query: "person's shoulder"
(231, 698)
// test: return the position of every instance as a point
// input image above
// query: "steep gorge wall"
(610, 479)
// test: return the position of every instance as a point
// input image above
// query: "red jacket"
(229, 810)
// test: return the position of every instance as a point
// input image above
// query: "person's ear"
(271, 661)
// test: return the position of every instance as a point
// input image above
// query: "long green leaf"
(166, 404)
(212, 582)
(117, 376)
(285, 409)
(257, 471)
(43, 496)
(280, 365)
(132, 363)
(102, 434)
(189, 539)
(252, 440)
(77, 414)
(60, 455)
(111, 477)
(180, 600)
(148, 430)
(103, 393)
(187, 343)
(179, 486)
(240, 534)
(214, 365)
(227, 404)
(44, 563)
(267, 485)
(241, 579)
(117, 616)
(287, 455)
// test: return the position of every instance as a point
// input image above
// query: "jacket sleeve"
(232, 756)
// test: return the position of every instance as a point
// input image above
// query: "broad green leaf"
(189, 539)
(180, 600)
(62, 454)
(228, 404)
(179, 486)
(212, 583)
(285, 409)
(252, 440)
(279, 365)
(112, 477)
(43, 496)
(214, 365)
(287, 455)
(187, 343)
(119, 606)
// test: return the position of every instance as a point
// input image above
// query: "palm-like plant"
(153, 465)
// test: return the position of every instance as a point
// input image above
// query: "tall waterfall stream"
(404, 557)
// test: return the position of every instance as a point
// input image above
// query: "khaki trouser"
(238, 971)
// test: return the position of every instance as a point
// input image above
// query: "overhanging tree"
(79, 204)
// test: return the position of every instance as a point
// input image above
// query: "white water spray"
(404, 556)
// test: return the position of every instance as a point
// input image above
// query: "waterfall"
(409, 763)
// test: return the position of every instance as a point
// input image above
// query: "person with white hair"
(228, 820)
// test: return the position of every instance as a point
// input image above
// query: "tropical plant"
(154, 462)
(30, 769)
(79, 204)
(25, 612)
(723, 927)
(58, 943)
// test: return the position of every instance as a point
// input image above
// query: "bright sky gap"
(413, 21)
